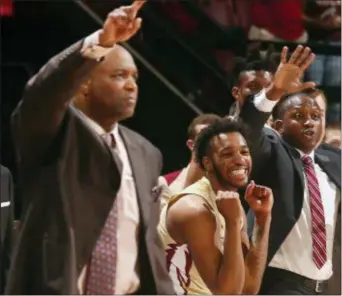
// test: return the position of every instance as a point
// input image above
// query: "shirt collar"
(99, 129)
(311, 154)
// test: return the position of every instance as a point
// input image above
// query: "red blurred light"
(6, 7)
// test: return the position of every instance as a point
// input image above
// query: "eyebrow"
(230, 148)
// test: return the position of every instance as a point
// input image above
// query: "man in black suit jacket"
(73, 180)
(7, 218)
(278, 164)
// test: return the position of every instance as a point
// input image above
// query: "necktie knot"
(307, 160)
(109, 139)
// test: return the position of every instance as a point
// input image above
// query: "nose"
(308, 122)
(131, 84)
(239, 159)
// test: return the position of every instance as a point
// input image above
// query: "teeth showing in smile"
(239, 172)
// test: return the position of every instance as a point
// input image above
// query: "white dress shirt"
(127, 279)
(295, 253)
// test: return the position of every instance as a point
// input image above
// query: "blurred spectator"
(250, 76)
(7, 219)
(186, 24)
(183, 178)
(323, 22)
(333, 125)
(333, 135)
(275, 20)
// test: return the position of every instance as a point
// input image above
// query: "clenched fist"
(260, 199)
(121, 24)
(229, 205)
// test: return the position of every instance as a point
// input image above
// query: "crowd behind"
(255, 211)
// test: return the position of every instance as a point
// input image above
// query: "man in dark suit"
(7, 218)
(90, 209)
(305, 181)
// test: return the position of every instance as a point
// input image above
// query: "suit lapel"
(299, 171)
(328, 167)
(136, 157)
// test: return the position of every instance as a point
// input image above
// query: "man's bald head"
(114, 58)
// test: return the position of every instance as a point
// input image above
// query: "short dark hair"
(206, 119)
(279, 110)
(253, 62)
(222, 126)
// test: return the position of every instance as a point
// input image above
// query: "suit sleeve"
(46, 97)
(7, 182)
(255, 120)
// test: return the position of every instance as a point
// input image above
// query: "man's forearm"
(256, 258)
(47, 95)
(231, 273)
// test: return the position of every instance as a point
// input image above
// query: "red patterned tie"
(102, 268)
(319, 242)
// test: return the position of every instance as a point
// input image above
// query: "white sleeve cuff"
(91, 48)
(91, 40)
(262, 103)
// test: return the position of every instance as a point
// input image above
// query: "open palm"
(290, 73)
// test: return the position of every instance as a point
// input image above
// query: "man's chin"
(126, 115)
(235, 185)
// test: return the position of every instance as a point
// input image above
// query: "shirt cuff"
(262, 103)
(91, 48)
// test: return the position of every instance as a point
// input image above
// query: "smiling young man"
(304, 238)
(204, 227)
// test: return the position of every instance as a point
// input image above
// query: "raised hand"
(259, 199)
(288, 77)
(121, 24)
(229, 205)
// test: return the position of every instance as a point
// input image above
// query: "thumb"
(249, 189)
(306, 85)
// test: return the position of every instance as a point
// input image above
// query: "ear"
(81, 94)
(278, 126)
(84, 89)
(190, 144)
(235, 93)
(208, 167)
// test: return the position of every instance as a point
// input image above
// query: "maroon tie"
(319, 241)
(102, 269)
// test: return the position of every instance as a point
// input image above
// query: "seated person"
(203, 228)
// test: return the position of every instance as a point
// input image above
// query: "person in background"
(278, 21)
(333, 126)
(7, 219)
(180, 179)
(322, 20)
(204, 226)
(176, 181)
(333, 135)
(304, 240)
(250, 76)
(88, 183)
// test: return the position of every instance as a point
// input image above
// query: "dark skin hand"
(223, 273)
(121, 24)
(287, 78)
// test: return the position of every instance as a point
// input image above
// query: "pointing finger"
(138, 4)
(133, 9)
